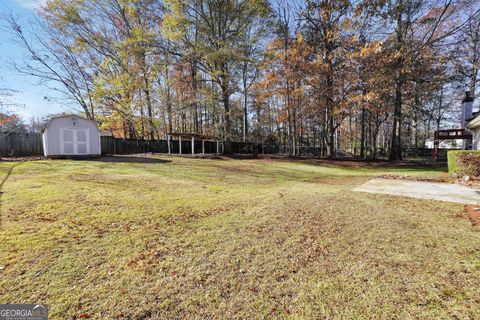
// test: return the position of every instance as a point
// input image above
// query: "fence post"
(168, 143)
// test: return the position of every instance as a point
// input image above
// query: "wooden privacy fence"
(30, 144)
(21, 144)
(111, 145)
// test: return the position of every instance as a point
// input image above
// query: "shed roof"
(51, 119)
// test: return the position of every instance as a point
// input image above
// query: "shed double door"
(75, 141)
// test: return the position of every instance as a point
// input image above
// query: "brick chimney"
(467, 108)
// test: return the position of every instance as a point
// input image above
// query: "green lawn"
(179, 238)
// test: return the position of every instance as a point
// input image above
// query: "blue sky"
(29, 94)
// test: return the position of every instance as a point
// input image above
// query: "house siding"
(476, 139)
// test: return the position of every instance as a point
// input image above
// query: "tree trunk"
(294, 133)
(329, 99)
(396, 143)
(245, 103)
(330, 135)
(226, 120)
(245, 116)
(169, 102)
(195, 103)
(475, 59)
(151, 127)
(362, 134)
(142, 119)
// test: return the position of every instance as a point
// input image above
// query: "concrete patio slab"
(422, 190)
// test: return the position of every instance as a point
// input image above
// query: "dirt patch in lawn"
(473, 213)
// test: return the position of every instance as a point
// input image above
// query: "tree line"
(364, 78)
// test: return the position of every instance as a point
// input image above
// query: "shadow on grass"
(130, 159)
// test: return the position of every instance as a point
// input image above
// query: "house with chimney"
(471, 120)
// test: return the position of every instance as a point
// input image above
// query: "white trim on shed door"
(82, 141)
(75, 141)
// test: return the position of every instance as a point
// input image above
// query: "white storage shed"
(71, 136)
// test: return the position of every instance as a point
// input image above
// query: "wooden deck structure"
(450, 134)
(193, 137)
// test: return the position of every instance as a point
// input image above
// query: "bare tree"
(52, 60)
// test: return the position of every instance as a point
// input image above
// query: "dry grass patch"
(199, 238)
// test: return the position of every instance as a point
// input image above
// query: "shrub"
(464, 163)
(468, 164)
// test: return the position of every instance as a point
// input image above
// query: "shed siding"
(52, 135)
(476, 139)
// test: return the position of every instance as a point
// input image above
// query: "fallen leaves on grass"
(283, 239)
(473, 213)
(441, 179)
